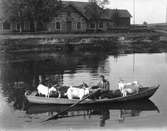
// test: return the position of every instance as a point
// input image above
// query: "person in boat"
(103, 87)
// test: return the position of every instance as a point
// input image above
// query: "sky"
(151, 11)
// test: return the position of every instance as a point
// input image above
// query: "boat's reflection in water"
(104, 111)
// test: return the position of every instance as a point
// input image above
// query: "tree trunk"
(2, 27)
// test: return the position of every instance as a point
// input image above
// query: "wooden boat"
(144, 93)
(140, 105)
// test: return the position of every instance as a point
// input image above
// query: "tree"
(145, 23)
(94, 11)
(40, 11)
(102, 3)
(13, 11)
(36, 12)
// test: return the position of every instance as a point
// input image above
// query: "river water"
(19, 72)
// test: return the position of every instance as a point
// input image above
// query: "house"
(73, 17)
(69, 19)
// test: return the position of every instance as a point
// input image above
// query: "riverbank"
(87, 35)
(87, 45)
(116, 42)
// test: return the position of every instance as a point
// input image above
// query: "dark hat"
(102, 76)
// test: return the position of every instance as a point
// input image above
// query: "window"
(101, 25)
(18, 27)
(6, 25)
(69, 13)
(79, 25)
(92, 25)
(57, 25)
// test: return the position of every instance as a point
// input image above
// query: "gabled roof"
(107, 14)
(80, 6)
(121, 13)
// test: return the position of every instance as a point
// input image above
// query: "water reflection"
(48, 64)
(128, 113)
(14, 95)
(105, 115)
(166, 57)
(73, 68)
(104, 112)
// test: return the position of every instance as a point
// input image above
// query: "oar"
(70, 107)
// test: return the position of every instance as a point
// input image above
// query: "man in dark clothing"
(103, 88)
(103, 84)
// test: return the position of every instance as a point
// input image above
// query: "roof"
(107, 14)
(121, 13)
(80, 6)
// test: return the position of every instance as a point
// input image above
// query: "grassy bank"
(66, 36)
(115, 46)
(115, 42)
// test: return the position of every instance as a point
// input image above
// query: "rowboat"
(139, 105)
(144, 93)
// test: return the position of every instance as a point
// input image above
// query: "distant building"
(73, 17)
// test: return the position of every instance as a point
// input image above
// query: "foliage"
(145, 23)
(34, 11)
(102, 3)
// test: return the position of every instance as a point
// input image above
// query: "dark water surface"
(20, 72)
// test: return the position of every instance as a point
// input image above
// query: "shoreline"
(115, 42)
(66, 36)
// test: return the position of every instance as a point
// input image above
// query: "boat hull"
(141, 105)
(145, 93)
